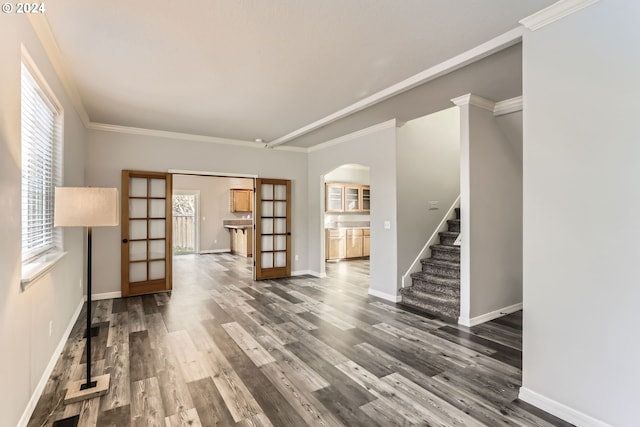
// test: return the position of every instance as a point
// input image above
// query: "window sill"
(33, 270)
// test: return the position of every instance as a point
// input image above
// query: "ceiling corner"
(43, 31)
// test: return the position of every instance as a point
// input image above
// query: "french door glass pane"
(157, 188)
(137, 208)
(137, 251)
(267, 209)
(156, 270)
(157, 208)
(138, 187)
(156, 249)
(267, 191)
(281, 259)
(137, 272)
(281, 209)
(267, 260)
(267, 243)
(280, 192)
(137, 229)
(267, 226)
(156, 228)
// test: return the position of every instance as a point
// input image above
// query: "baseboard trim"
(106, 295)
(37, 392)
(466, 321)
(384, 295)
(559, 410)
(214, 251)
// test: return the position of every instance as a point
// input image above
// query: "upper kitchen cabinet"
(341, 197)
(241, 200)
(334, 197)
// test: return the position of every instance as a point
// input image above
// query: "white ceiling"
(247, 69)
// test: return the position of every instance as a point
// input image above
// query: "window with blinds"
(41, 164)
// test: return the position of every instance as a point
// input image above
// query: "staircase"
(436, 289)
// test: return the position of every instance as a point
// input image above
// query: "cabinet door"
(335, 244)
(352, 198)
(334, 199)
(354, 243)
(366, 243)
(241, 200)
(366, 198)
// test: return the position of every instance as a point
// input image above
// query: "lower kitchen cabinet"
(347, 243)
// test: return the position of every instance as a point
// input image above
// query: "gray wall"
(24, 316)
(581, 210)
(108, 153)
(214, 206)
(378, 151)
(428, 167)
(491, 216)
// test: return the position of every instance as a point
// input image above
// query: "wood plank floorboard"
(223, 350)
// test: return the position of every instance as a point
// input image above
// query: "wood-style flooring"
(223, 350)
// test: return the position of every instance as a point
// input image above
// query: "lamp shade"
(86, 207)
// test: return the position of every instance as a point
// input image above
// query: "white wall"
(581, 211)
(108, 153)
(428, 167)
(24, 316)
(377, 150)
(215, 206)
(491, 216)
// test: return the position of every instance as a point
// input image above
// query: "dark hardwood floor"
(223, 350)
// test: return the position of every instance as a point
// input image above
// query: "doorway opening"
(185, 222)
(346, 220)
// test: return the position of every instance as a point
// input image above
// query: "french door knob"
(125, 240)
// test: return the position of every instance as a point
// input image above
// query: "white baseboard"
(300, 272)
(214, 251)
(106, 295)
(384, 295)
(28, 411)
(465, 321)
(559, 410)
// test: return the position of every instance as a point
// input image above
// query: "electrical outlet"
(297, 257)
(215, 241)
(80, 284)
(50, 327)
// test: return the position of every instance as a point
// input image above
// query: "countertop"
(238, 227)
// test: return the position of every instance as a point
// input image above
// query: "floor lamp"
(86, 207)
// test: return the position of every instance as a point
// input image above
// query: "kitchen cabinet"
(336, 244)
(354, 243)
(241, 240)
(345, 243)
(340, 197)
(241, 200)
(334, 197)
(366, 239)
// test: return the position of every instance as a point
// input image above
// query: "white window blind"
(41, 166)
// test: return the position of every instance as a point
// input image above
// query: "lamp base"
(76, 393)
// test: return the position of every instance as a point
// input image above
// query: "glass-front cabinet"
(334, 198)
(340, 197)
(352, 198)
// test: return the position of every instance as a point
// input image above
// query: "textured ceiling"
(246, 69)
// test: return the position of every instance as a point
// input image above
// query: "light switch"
(387, 225)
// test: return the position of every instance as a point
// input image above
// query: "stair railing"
(426, 250)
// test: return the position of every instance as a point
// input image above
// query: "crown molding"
(508, 106)
(479, 52)
(43, 31)
(171, 135)
(554, 12)
(475, 100)
(353, 135)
